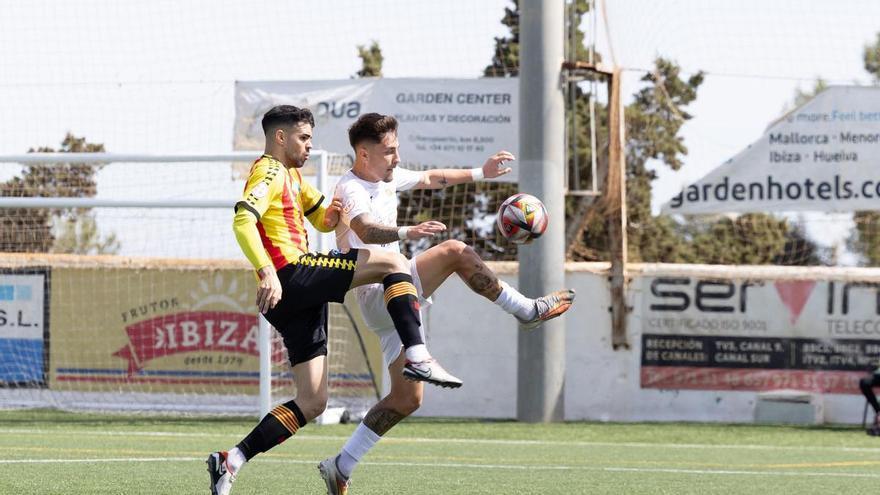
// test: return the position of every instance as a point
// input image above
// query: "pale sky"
(158, 76)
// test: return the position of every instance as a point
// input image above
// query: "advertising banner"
(820, 336)
(159, 330)
(24, 327)
(170, 330)
(822, 156)
(443, 122)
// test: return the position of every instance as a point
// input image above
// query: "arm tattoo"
(443, 180)
(380, 419)
(376, 234)
(373, 233)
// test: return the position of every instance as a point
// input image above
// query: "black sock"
(402, 302)
(277, 426)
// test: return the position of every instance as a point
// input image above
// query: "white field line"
(519, 467)
(471, 441)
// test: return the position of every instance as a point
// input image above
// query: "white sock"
(235, 459)
(513, 302)
(418, 352)
(361, 441)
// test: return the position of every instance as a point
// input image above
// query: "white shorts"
(371, 299)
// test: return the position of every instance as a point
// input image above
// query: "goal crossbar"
(97, 158)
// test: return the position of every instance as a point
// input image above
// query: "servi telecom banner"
(443, 122)
(823, 156)
(758, 335)
(24, 323)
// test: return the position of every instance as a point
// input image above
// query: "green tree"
(800, 250)
(871, 57)
(653, 123)
(801, 96)
(505, 61)
(80, 235)
(41, 230)
(866, 239)
(371, 60)
(749, 239)
(654, 120)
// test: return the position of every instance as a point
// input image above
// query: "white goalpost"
(162, 318)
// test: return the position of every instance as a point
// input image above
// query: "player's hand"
(331, 216)
(425, 229)
(494, 166)
(269, 289)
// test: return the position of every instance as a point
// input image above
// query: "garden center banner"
(443, 122)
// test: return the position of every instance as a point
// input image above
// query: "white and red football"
(522, 218)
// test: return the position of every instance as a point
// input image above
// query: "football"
(522, 218)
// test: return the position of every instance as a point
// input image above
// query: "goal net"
(112, 306)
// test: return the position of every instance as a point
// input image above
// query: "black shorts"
(306, 288)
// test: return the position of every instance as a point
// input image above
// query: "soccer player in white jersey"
(369, 216)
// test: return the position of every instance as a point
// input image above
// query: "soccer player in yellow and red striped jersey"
(296, 285)
(278, 199)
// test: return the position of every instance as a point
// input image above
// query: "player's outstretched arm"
(444, 177)
(371, 232)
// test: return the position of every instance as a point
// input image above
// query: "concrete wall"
(477, 342)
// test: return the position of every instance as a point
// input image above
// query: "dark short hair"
(371, 127)
(286, 116)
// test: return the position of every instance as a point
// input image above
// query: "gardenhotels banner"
(822, 156)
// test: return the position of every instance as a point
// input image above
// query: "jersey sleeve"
(312, 202)
(310, 197)
(263, 186)
(244, 226)
(404, 179)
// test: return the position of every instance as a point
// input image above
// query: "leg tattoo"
(483, 284)
(381, 419)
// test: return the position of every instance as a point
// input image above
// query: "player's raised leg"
(402, 303)
(437, 263)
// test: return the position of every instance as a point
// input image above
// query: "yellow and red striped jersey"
(278, 200)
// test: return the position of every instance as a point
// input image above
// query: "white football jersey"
(379, 199)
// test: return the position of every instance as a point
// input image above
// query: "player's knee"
(313, 406)
(456, 249)
(397, 263)
(865, 383)
(454, 246)
(410, 404)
